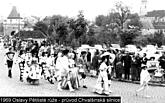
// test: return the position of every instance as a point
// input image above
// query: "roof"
(36, 34)
(14, 14)
(159, 26)
(156, 13)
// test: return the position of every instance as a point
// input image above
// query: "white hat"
(59, 54)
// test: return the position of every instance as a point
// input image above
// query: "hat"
(83, 52)
(65, 52)
(71, 55)
(144, 66)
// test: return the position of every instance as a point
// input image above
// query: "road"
(13, 87)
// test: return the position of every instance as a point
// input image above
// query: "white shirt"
(65, 63)
(50, 61)
(58, 63)
(103, 67)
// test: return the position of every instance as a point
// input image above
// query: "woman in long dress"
(102, 85)
(21, 63)
(51, 68)
(74, 72)
(83, 69)
(144, 79)
(35, 71)
(42, 62)
(64, 78)
(28, 59)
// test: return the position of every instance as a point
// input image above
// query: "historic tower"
(143, 8)
(13, 23)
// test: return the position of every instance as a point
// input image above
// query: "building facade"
(13, 23)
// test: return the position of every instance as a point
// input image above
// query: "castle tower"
(143, 8)
(13, 22)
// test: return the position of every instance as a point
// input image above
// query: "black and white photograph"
(86, 50)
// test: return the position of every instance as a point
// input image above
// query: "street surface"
(13, 87)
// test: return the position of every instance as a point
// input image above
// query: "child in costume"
(144, 79)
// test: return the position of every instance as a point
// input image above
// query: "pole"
(19, 27)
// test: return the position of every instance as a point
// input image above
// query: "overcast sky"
(70, 8)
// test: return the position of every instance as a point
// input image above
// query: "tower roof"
(14, 14)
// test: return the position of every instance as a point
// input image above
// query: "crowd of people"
(68, 67)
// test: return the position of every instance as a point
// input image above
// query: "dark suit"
(127, 65)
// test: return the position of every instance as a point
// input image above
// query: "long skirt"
(73, 78)
(45, 71)
(102, 83)
(34, 74)
(52, 77)
(21, 67)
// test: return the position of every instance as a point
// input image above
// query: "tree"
(78, 27)
(122, 13)
(62, 32)
(100, 20)
(128, 36)
(58, 27)
(134, 22)
(158, 38)
(42, 27)
(91, 38)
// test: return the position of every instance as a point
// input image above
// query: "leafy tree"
(134, 22)
(58, 27)
(158, 38)
(42, 27)
(122, 13)
(128, 36)
(78, 27)
(100, 20)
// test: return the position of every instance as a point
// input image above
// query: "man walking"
(127, 65)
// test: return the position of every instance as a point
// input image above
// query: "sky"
(70, 8)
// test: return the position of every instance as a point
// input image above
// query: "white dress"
(35, 71)
(102, 79)
(144, 77)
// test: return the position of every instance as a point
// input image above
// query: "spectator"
(88, 56)
(95, 62)
(127, 65)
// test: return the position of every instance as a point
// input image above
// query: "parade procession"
(69, 68)
(59, 64)
(82, 51)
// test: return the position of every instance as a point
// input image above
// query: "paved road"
(13, 87)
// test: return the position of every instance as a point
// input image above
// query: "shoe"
(84, 86)
(21, 80)
(110, 91)
(72, 90)
(59, 89)
(136, 93)
(107, 93)
(147, 96)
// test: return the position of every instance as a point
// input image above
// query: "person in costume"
(42, 62)
(102, 85)
(10, 59)
(64, 70)
(51, 68)
(74, 72)
(83, 69)
(35, 71)
(21, 63)
(144, 79)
